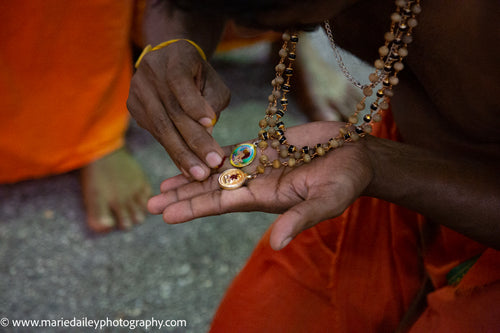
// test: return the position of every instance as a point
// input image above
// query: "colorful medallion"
(232, 179)
(243, 155)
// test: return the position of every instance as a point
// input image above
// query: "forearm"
(461, 194)
(164, 21)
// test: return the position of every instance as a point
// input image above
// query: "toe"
(137, 213)
(101, 223)
(121, 212)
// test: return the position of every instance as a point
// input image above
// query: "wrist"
(377, 152)
(149, 48)
(165, 21)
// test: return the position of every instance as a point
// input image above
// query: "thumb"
(297, 219)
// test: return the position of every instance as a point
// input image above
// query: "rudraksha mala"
(272, 127)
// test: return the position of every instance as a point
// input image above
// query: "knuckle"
(198, 141)
(181, 157)
(174, 113)
(191, 107)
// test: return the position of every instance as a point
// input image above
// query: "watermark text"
(97, 324)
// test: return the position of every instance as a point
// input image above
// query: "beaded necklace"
(272, 128)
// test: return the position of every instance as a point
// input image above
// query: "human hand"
(304, 195)
(177, 97)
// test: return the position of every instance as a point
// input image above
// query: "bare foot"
(115, 192)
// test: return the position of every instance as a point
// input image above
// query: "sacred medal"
(243, 155)
(232, 179)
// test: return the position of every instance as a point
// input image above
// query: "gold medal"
(232, 179)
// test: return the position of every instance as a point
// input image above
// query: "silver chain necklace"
(341, 64)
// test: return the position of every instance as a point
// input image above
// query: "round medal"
(243, 155)
(232, 179)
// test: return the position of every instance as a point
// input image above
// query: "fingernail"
(213, 159)
(197, 172)
(285, 242)
(207, 122)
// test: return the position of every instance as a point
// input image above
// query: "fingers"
(187, 90)
(188, 149)
(179, 188)
(185, 201)
(172, 183)
(166, 99)
(215, 202)
(214, 93)
(198, 140)
(183, 184)
(297, 219)
(187, 106)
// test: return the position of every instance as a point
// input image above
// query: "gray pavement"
(52, 267)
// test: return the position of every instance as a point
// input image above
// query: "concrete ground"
(52, 267)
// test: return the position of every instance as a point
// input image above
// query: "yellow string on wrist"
(149, 48)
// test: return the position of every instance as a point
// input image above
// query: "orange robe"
(66, 68)
(359, 273)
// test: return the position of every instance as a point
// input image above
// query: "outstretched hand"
(304, 195)
(177, 97)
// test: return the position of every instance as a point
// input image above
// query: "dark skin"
(115, 192)
(176, 95)
(445, 108)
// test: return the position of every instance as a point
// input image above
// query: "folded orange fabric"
(66, 68)
(359, 273)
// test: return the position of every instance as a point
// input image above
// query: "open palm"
(304, 195)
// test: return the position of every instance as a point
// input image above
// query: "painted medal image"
(232, 179)
(243, 155)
